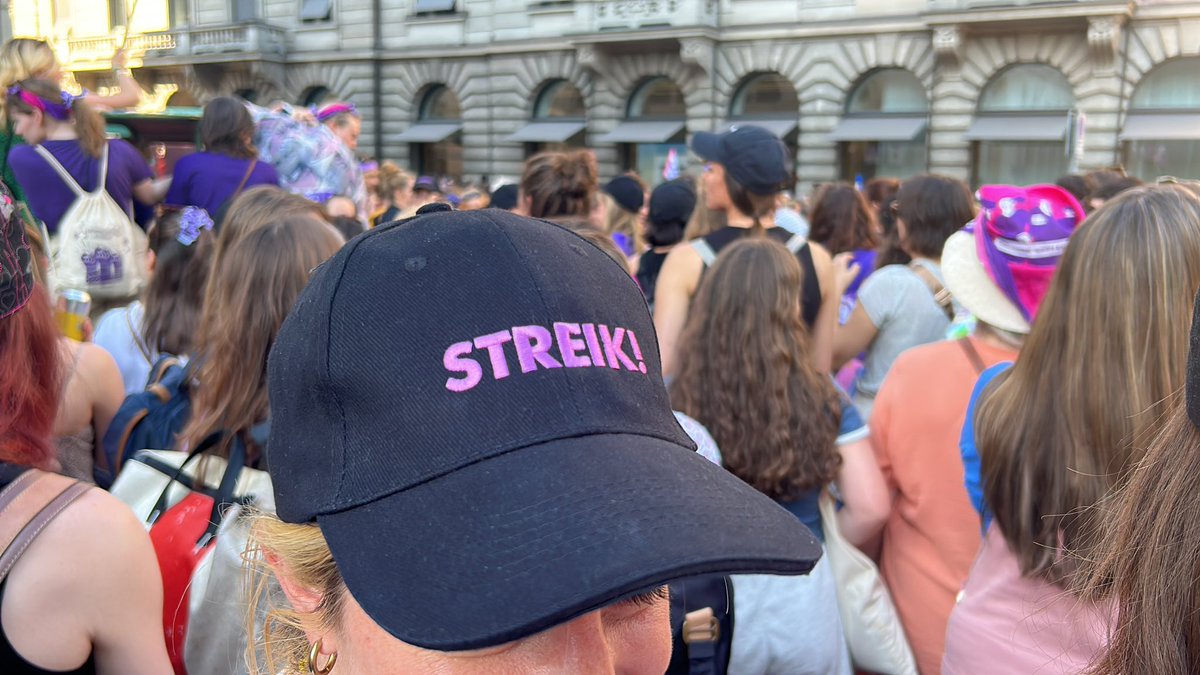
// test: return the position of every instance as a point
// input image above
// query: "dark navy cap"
(427, 184)
(470, 406)
(627, 193)
(672, 203)
(751, 155)
(505, 197)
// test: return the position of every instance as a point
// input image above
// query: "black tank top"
(649, 265)
(11, 663)
(810, 295)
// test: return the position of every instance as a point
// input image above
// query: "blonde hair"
(301, 552)
(24, 59)
(619, 221)
(392, 179)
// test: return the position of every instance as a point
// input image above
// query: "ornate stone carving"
(1104, 38)
(697, 52)
(947, 43)
(588, 57)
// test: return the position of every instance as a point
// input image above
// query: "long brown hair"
(174, 296)
(758, 207)
(252, 288)
(842, 220)
(1059, 430)
(559, 184)
(89, 125)
(1149, 560)
(226, 128)
(746, 373)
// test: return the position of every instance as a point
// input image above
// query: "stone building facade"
(984, 91)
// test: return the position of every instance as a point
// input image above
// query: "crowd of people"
(523, 428)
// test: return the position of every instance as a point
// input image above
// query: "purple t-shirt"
(49, 197)
(208, 179)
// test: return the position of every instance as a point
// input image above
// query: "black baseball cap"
(505, 197)
(751, 155)
(672, 203)
(470, 406)
(427, 184)
(627, 193)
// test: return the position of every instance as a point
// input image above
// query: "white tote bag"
(873, 630)
(215, 641)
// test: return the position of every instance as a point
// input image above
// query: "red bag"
(180, 542)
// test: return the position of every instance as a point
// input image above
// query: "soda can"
(72, 311)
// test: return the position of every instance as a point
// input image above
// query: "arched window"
(882, 133)
(651, 139)
(767, 100)
(315, 96)
(248, 95)
(559, 98)
(765, 95)
(558, 121)
(439, 103)
(1024, 126)
(436, 136)
(1162, 130)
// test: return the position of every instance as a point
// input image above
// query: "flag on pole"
(671, 166)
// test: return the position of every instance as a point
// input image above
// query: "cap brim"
(969, 284)
(510, 546)
(707, 146)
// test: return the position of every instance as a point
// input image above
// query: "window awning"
(1017, 128)
(889, 128)
(779, 127)
(643, 131)
(546, 131)
(1161, 127)
(430, 132)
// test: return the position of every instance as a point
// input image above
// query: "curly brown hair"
(747, 376)
(842, 220)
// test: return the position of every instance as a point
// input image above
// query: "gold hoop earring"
(314, 653)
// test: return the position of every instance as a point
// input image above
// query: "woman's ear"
(302, 598)
(151, 261)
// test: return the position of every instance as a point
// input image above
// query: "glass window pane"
(884, 159)
(1027, 87)
(440, 104)
(889, 91)
(765, 95)
(1019, 162)
(1173, 85)
(657, 98)
(441, 159)
(1150, 159)
(560, 99)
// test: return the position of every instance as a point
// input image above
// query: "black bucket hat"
(470, 406)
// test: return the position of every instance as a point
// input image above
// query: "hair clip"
(193, 220)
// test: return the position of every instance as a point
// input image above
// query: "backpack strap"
(972, 355)
(796, 242)
(103, 170)
(940, 295)
(704, 250)
(27, 506)
(62, 173)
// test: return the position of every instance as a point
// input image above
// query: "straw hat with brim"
(969, 284)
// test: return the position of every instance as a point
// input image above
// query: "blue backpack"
(150, 419)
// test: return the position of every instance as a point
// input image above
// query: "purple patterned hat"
(16, 258)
